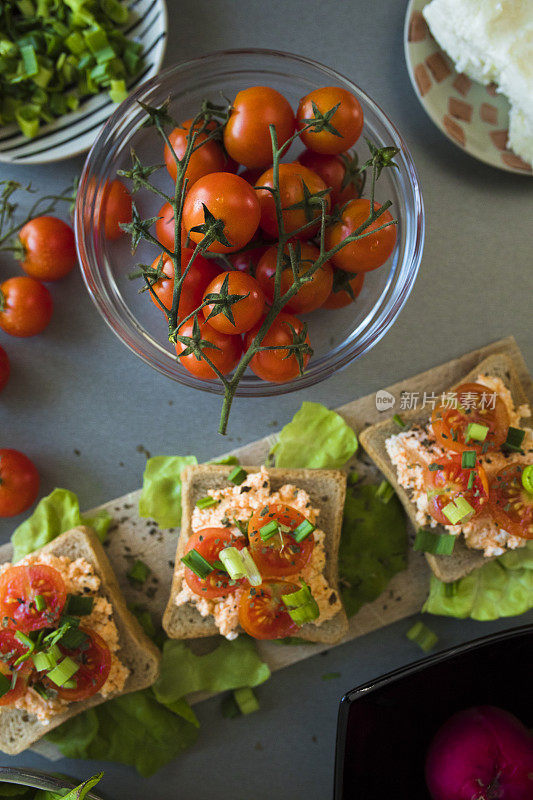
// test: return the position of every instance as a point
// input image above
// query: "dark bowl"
(385, 726)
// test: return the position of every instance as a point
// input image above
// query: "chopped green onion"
(515, 437)
(118, 91)
(63, 672)
(73, 638)
(399, 421)
(246, 700)
(435, 467)
(5, 684)
(468, 459)
(450, 589)
(115, 11)
(301, 605)
(140, 572)
(43, 662)
(240, 564)
(70, 684)
(29, 60)
(252, 573)
(40, 602)
(54, 652)
(229, 707)
(78, 605)
(437, 543)
(237, 476)
(269, 530)
(298, 598)
(197, 563)
(25, 640)
(303, 530)
(353, 477)
(422, 636)
(385, 492)
(477, 432)
(457, 510)
(471, 479)
(206, 502)
(527, 478)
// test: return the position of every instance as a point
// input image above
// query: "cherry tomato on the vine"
(335, 171)
(230, 200)
(244, 313)
(49, 250)
(225, 351)
(209, 157)
(278, 366)
(25, 306)
(5, 368)
(19, 482)
(200, 274)
(347, 120)
(247, 134)
(346, 288)
(312, 294)
(164, 228)
(116, 209)
(373, 249)
(295, 184)
(247, 260)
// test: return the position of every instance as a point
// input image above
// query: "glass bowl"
(337, 336)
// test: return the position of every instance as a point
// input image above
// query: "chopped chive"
(468, 459)
(471, 479)
(140, 572)
(63, 672)
(79, 605)
(476, 432)
(450, 589)
(246, 700)
(399, 421)
(515, 437)
(457, 510)
(5, 684)
(237, 476)
(352, 478)
(303, 530)
(269, 530)
(422, 636)
(43, 662)
(385, 492)
(197, 563)
(206, 502)
(435, 467)
(40, 602)
(441, 544)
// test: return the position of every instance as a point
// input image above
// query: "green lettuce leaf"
(316, 438)
(161, 493)
(500, 588)
(373, 546)
(54, 514)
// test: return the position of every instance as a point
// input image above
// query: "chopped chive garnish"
(527, 478)
(441, 544)
(515, 437)
(197, 563)
(303, 530)
(73, 638)
(450, 589)
(457, 510)
(399, 421)
(269, 530)
(471, 479)
(301, 605)
(468, 459)
(385, 492)
(40, 602)
(353, 477)
(139, 573)
(476, 432)
(237, 476)
(63, 672)
(246, 700)
(231, 561)
(435, 467)
(422, 636)
(207, 502)
(5, 684)
(43, 662)
(25, 640)
(79, 605)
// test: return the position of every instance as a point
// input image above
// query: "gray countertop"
(66, 405)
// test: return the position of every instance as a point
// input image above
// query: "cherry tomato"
(337, 171)
(312, 294)
(164, 228)
(292, 178)
(278, 366)
(511, 505)
(19, 482)
(19, 586)
(209, 157)
(347, 120)
(94, 659)
(447, 480)
(346, 288)
(262, 612)
(224, 354)
(364, 254)
(209, 542)
(474, 405)
(49, 248)
(199, 276)
(116, 209)
(247, 134)
(25, 306)
(281, 555)
(5, 368)
(10, 651)
(245, 312)
(228, 198)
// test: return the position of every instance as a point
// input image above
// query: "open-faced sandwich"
(67, 639)
(463, 466)
(257, 553)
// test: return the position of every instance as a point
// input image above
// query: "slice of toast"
(326, 488)
(18, 729)
(463, 560)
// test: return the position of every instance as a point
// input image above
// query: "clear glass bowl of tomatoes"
(338, 335)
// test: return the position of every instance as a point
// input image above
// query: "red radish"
(482, 753)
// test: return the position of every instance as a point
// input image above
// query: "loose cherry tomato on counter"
(94, 665)
(115, 209)
(5, 368)
(240, 315)
(247, 135)
(448, 480)
(337, 171)
(229, 199)
(225, 352)
(19, 587)
(346, 288)
(19, 482)
(511, 505)
(10, 651)
(48, 248)
(367, 253)
(475, 404)
(312, 294)
(25, 306)
(209, 157)
(280, 555)
(346, 121)
(199, 276)
(262, 612)
(278, 366)
(164, 228)
(209, 542)
(295, 181)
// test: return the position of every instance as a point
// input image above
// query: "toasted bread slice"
(18, 729)
(463, 560)
(326, 488)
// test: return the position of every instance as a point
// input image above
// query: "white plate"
(75, 133)
(473, 116)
